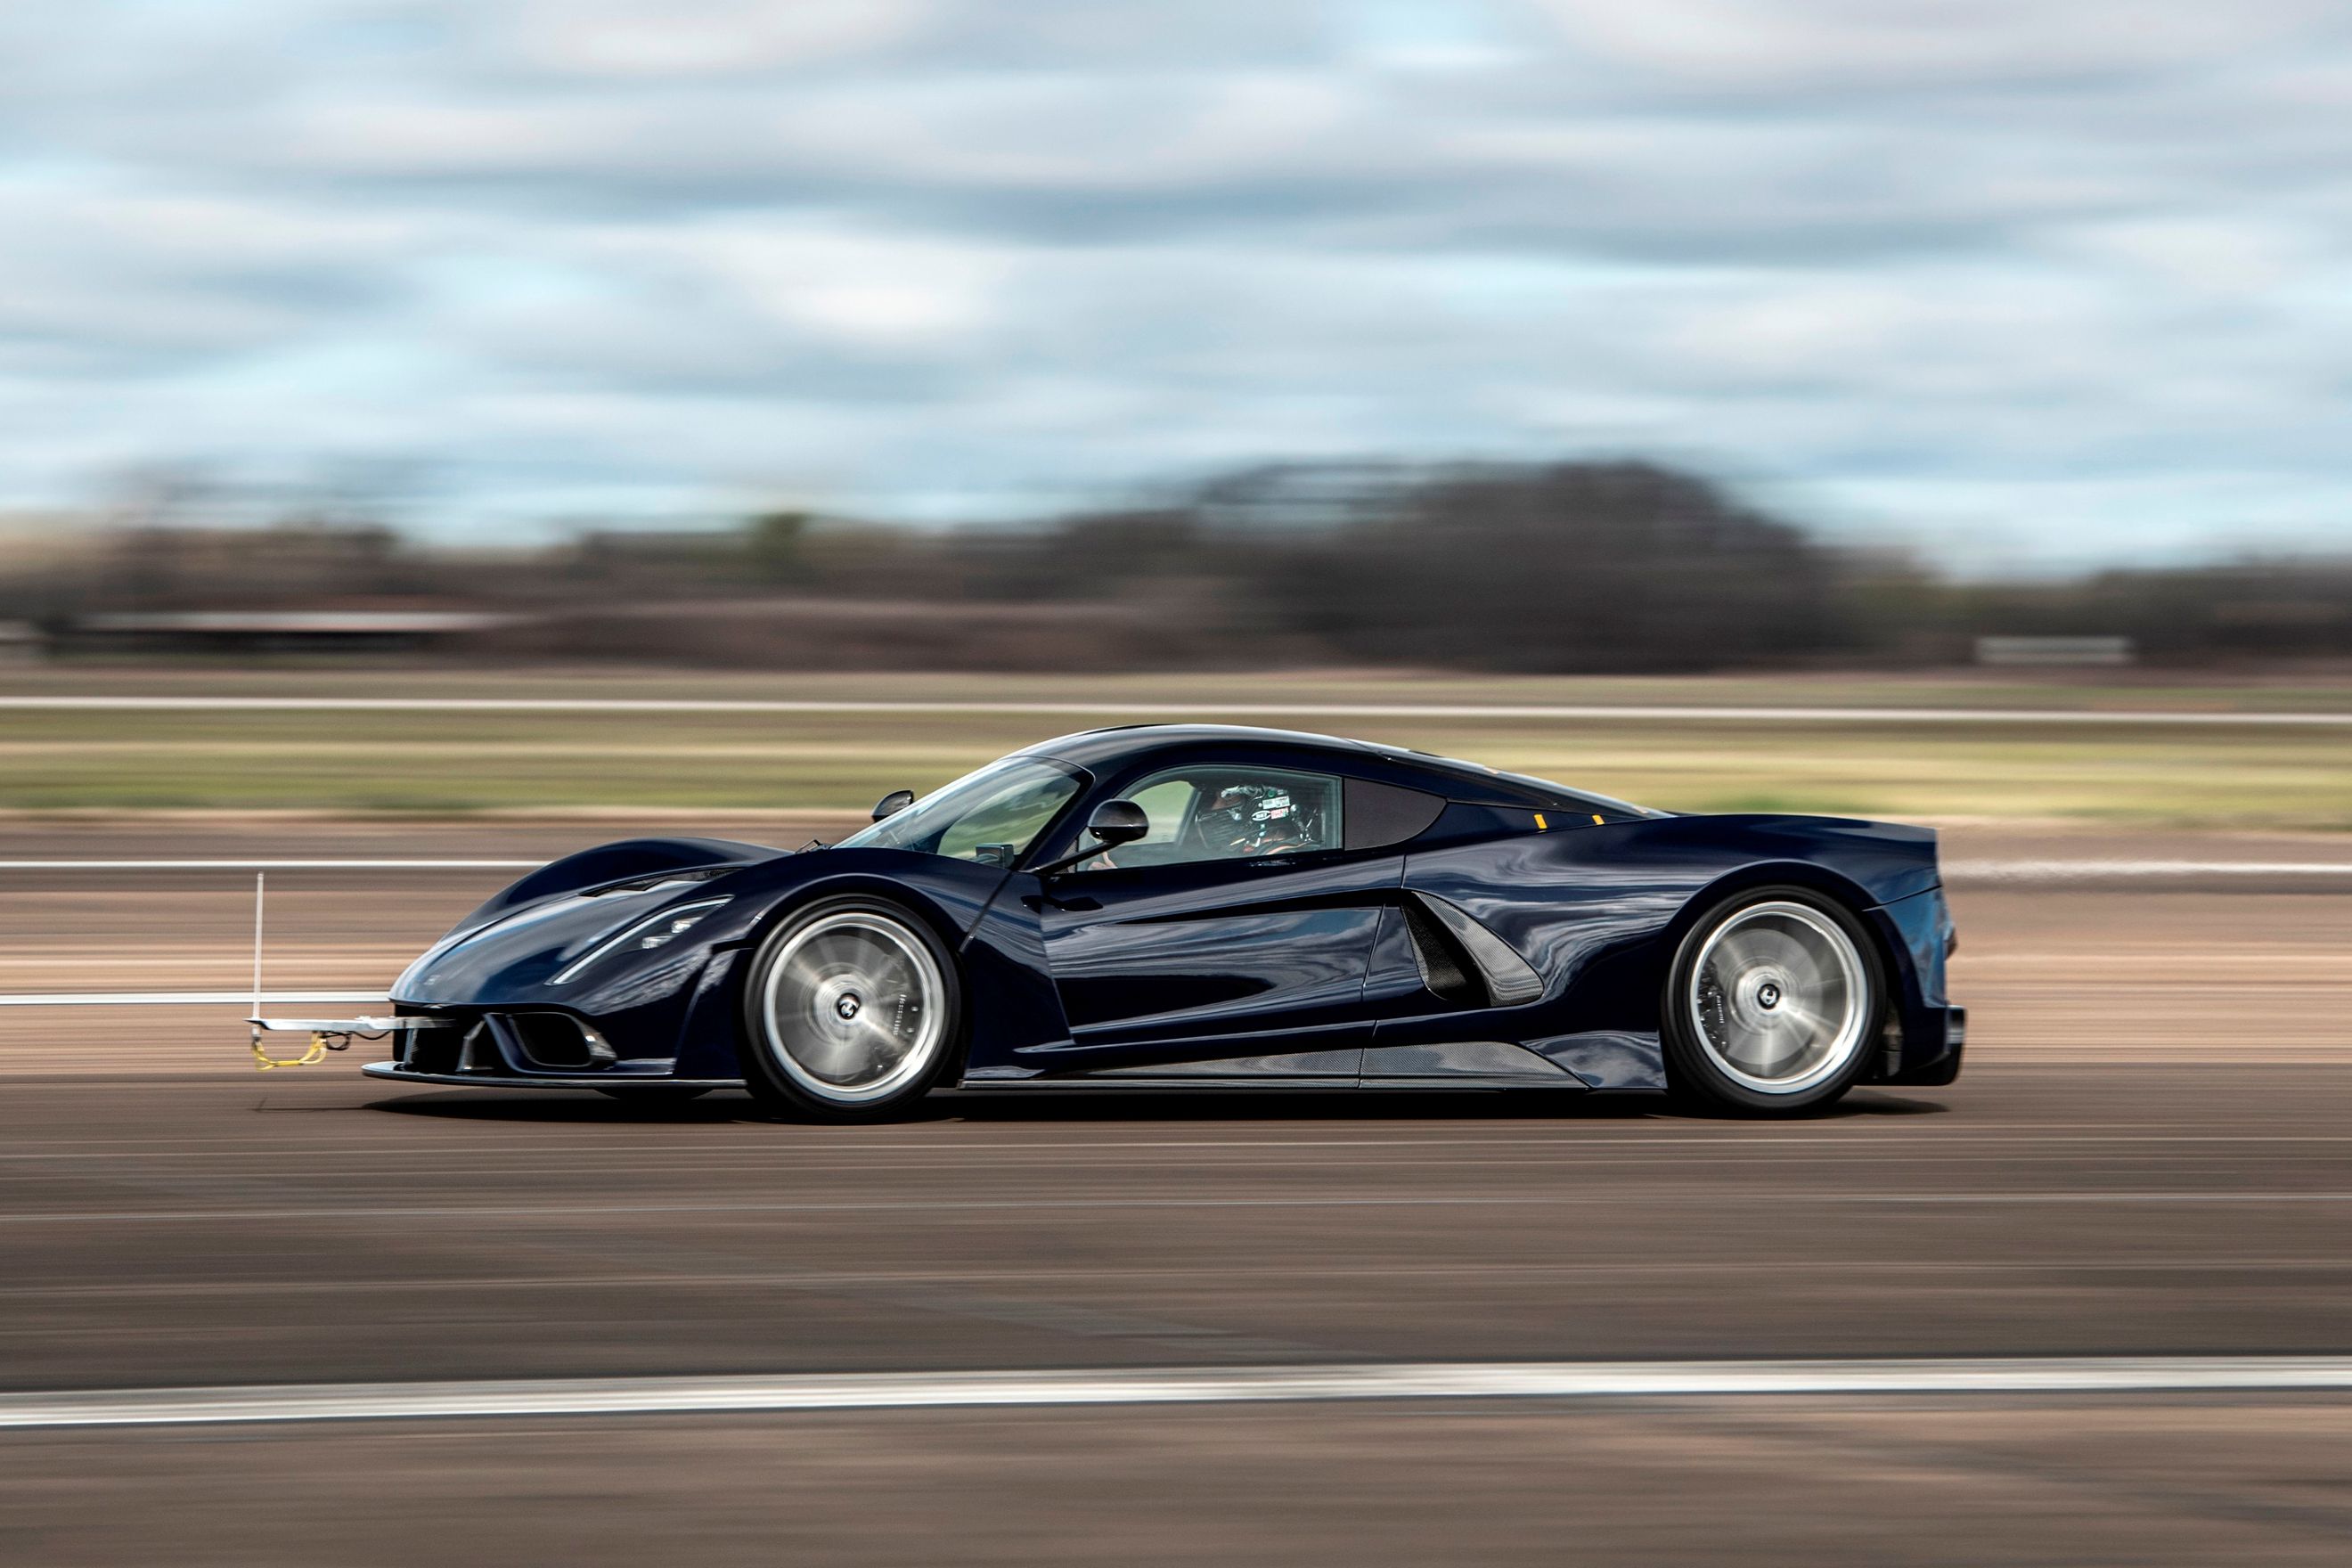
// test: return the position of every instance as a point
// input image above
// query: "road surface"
(2150, 1156)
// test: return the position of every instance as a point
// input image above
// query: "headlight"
(654, 930)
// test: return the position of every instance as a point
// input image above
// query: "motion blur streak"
(1660, 713)
(176, 998)
(2083, 870)
(269, 865)
(1182, 1385)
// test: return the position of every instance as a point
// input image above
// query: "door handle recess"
(1080, 905)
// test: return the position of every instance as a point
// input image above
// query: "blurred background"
(1908, 409)
(1997, 352)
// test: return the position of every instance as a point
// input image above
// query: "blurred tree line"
(1576, 567)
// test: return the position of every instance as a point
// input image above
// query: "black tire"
(1729, 1046)
(651, 1094)
(851, 1009)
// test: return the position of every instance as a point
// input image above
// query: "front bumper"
(636, 1077)
(521, 1046)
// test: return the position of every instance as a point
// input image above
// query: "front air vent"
(556, 1041)
(435, 1049)
(478, 1051)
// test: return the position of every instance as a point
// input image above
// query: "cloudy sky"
(2037, 282)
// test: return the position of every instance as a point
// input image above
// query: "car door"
(1235, 935)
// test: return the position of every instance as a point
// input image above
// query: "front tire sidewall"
(775, 1089)
(1693, 1076)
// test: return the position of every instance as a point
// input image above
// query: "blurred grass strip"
(425, 763)
(2052, 690)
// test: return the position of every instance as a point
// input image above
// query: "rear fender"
(1908, 955)
(1599, 912)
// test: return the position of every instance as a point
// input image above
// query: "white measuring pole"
(258, 878)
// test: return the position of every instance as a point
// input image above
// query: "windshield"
(991, 816)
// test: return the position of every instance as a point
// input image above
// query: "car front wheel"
(1773, 1003)
(851, 1008)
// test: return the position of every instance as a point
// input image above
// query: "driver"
(1246, 820)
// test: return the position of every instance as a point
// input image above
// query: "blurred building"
(277, 631)
(2059, 651)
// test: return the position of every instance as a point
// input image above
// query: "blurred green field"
(457, 762)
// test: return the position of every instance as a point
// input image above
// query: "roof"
(1457, 780)
(1091, 748)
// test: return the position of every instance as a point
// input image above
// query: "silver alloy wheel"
(853, 1006)
(1780, 999)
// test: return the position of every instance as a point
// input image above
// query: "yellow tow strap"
(263, 1061)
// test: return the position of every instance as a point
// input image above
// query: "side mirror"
(1114, 823)
(1118, 822)
(891, 804)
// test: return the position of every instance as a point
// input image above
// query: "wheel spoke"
(1739, 952)
(802, 973)
(1779, 997)
(1800, 1023)
(853, 1006)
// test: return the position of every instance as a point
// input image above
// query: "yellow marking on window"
(1600, 820)
(1540, 824)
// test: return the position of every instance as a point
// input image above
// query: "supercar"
(1206, 906)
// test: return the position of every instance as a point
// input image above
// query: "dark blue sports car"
(1198, 905)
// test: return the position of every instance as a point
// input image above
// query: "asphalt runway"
(2150, 1156)
(208, 1231)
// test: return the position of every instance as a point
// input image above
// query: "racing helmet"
(1248, 819)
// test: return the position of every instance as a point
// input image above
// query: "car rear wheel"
(1772, 1004)
(851, 1011)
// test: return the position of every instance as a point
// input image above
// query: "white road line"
(381, 865)
(180, 998)
(2026, 871)
(1179, 1386)
(1150, 708)
(2136, 870)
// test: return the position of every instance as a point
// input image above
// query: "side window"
(1227, 813)
(1380, 814)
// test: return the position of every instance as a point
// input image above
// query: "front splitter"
(393, 1072)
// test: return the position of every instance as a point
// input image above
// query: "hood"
(568, 951)
(520, 942)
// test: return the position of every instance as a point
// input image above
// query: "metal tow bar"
(326, 1034)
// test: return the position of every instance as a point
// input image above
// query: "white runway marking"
(379, 865)
(2137, 871)
(1146, 708)
(1954, 871)
(179, 998)
(1184, 1385)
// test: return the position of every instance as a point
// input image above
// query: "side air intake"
(1464, 963)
